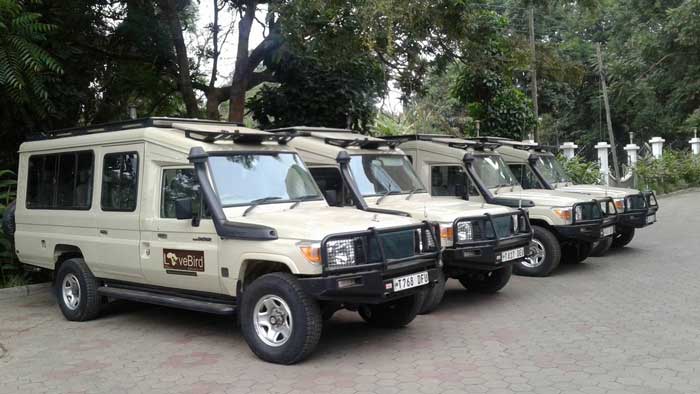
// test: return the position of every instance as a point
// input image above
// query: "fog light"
(343, 283)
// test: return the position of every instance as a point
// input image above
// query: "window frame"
(138, 180)
(469, 185)
(54, 192)
(161, 200)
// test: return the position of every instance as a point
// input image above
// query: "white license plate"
(608, 231)
(410, 281)
(651, 219)
(512, 254)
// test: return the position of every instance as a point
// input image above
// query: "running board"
(167, 300)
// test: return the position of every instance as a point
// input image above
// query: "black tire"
(552, 254)
(8, 221)
(88, 301)
(393, 314)
(601, 247)
(488, 282)
(307, 321)
(577, 253)
(622, 236)
(433, 297)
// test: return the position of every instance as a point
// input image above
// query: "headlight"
(619, 204)
(446, 234)
(311, 251)
(579, 213)
(465, 231)
(516, 224)
(563, 213)
(341, 252)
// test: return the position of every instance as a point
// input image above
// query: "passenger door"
(176, 253)
(117, 224)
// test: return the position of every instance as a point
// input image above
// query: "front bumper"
(368, 286)
(608, 221)
(638, 218)
(484, 256)
(585, 231)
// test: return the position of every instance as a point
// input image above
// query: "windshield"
(378, 174)
(241, 179)
(551, 170)
(494, 172)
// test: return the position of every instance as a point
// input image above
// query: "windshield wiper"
(418, 189)
(257, 202)
(299, 200)
(499, 186)
(387, 194)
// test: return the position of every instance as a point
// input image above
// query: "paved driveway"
(625, 323)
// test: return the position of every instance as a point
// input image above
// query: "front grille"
(377, 246)
(490, 227)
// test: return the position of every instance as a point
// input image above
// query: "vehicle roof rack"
(126, 125)
(238, 137)
(461, 143)
(361, 141)
(517, 144)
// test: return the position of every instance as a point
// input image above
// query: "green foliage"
(581, 171)
(24, 65)
(10, 271)
(674, 171)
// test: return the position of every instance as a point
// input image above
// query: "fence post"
(657, 146)
(569, 149)
(602, 148)
(631, 150)
(695, 142)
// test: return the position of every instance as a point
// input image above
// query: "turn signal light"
(312, 253)
(447, 233)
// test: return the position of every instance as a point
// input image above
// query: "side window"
(120, 181)
(450, 181)
(525, 176)
(60, 181)
(180, 183)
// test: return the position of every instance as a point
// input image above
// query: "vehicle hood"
(436, 209)
(597, 191)
(552, 198)
(314, 221)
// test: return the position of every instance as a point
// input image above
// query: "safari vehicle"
(538, 168)
(212, 217)
(564, 224)
(480, 241)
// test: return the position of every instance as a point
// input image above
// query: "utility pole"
(604, 86)
(533, 70)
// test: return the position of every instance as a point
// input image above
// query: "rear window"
(60, 181)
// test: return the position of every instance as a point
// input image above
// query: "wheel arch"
(254, 266)
(63, 252)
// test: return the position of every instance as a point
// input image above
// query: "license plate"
(512, 254)
(608, 231)
(651, 219)
(410, 281)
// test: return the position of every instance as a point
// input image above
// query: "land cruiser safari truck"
(538, 168)
(563, 223)
(480, 241)
(211, 217)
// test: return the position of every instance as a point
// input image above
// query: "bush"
(11, 274)
(674, 171)
(581, 171)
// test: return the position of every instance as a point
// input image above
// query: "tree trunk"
(169, 9)
(239, 83)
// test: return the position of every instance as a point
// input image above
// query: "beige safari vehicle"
(537, 168)
(564, 224)
(212, 217)
(480, 241)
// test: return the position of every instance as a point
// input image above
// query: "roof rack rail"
(363, 143)
(123, 125)
(518, 144)
(309, 129)
(463, 143)
(238, 137)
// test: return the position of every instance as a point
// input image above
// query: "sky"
(227, 59)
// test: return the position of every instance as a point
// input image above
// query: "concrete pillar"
(631, 150)
(657, 146)
(569, 150)
(695, 143)
(603, 148)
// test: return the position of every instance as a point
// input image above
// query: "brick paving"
(625, 323)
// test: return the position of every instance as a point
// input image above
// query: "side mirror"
(183, 209)
(332, 197)
(461, 191)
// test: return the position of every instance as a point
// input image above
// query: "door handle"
(162, 236)
(104, 232)
(203, 239)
